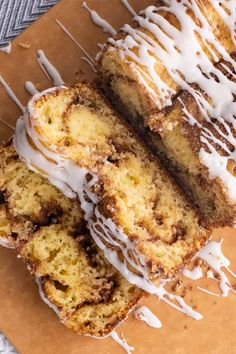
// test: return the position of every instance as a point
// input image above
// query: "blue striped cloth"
(16, 15)
(5, 346)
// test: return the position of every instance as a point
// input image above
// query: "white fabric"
(5, 346)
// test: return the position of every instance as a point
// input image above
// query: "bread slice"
(50, 234)
(135, 211)
(141, 78)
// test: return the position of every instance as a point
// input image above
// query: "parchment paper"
(31, 326)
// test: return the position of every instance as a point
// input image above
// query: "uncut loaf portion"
(135, 211)
(200, 151)
(147, 63)
(49, 232)
(172, 75)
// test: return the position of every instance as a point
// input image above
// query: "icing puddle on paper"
(143, 313)
(194, 274)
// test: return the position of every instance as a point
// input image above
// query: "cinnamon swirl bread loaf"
(49, 232)
(135, 212)
(180, 53)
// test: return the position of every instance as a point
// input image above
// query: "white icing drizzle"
(228, 13)
(71, 180)
(210, 274)
(7, 124)
(101, 46)
(99, 21)
(180, 52)
(99, 53)
(51, 71)
(207, 291)
(108, 230)
(88, 57)
(89, 63)
(11, 94)
(44, 298)
(122, 342)
(144, 314)
(194, 274)
(30, 88)
(4, 242)
(6, 49)
(129, 7)
(212, 254)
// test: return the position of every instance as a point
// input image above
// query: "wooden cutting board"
(30, 325)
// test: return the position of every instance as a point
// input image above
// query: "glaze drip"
(30, 88)
(4, 242)
(122, 342)
(87, 57)
(144, 314)
(212, 255)
(50, 70)
(194, 274)
(99, 21)
(129, 7)
(11, 94)
(7, 124)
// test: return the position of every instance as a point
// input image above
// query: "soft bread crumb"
(50, 235)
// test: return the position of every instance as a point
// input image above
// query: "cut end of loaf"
(49, 233)
(133, 188)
